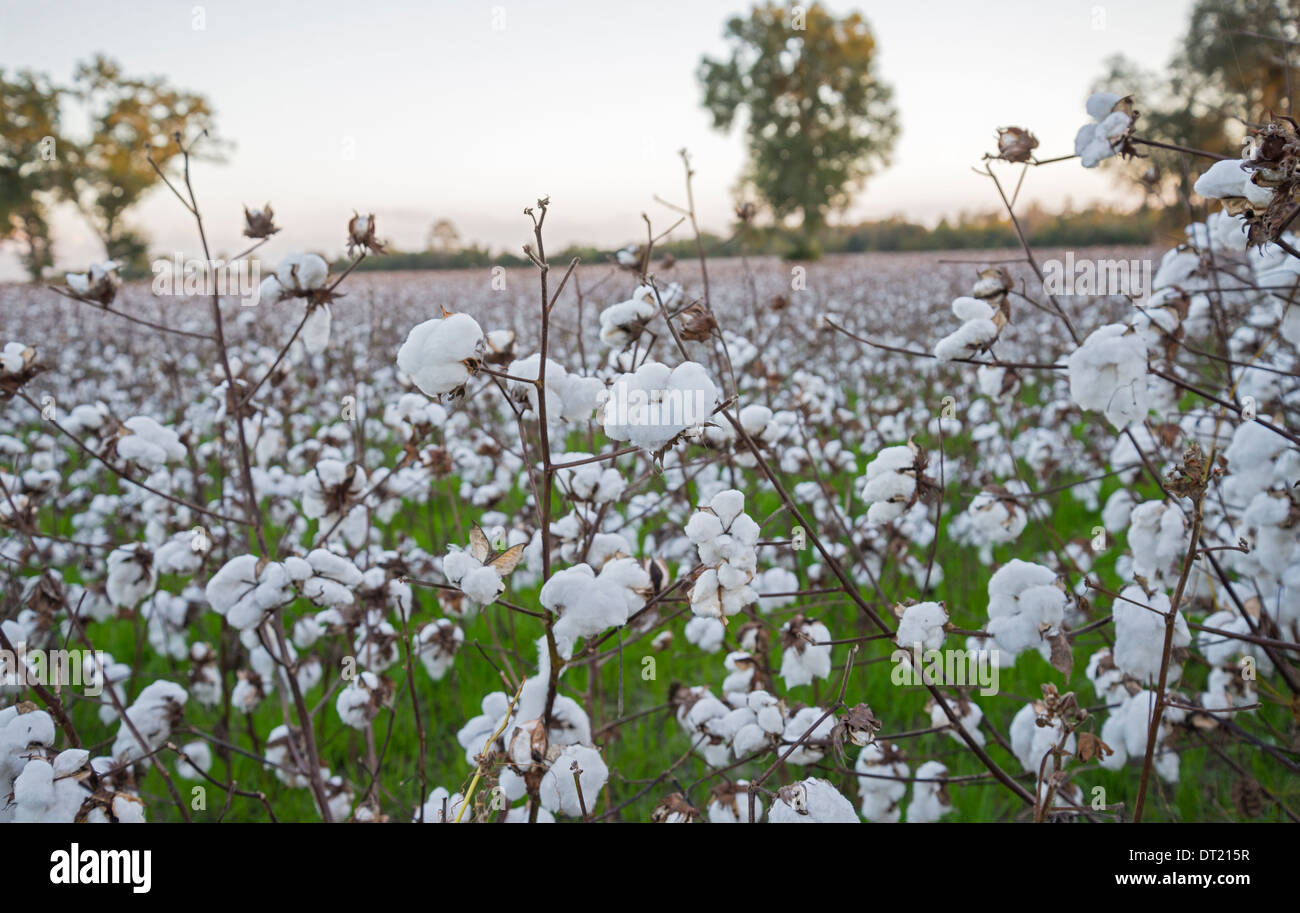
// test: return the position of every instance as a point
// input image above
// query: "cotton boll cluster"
(131, 575)
(980, 327)
(148, 444)
(592, 482)
(327, 579)
(360, 701)
(1126, 731)
(930, 800)
(655, 405)
(890, 484)
(246, 589)
(622, 323)
(569, 397)
(1108, 374)
(807, 651)
(440, 355)
(149, 721)
(993, 517)
(436, 644)
(588, 603)
(1112, 122)
(1157, 537)
(882, 777)
(725, 537)
(811, 801)
(968, 715)
(1140, 634)
(921, 625)
(1033, 743)
(1026, 606)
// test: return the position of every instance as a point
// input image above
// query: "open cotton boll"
(589, 604)
(890, 483)
(156, 709)
(1228, 179)
(1108, 374)
(442, 807)
(569, 397)
(244, 592)
(881, 783)
(332, 578)
(729, 804)
(772, 581)
(132, 575)
(149, 444)
(977, 332)
(707, 633)
(201, 755)
(361, 700)
(558, 791)
(621, 323)
(1095, 142)
(968, 715)
(930, 800)
(811, 801)
(807, 654)
(1025, 605)
(1030, 742)
(1157, 537)
(301, 272)
(1140, 634)
(652, 406)
(440, 355)
(1127, 729)
(922, 624)
(802, 722)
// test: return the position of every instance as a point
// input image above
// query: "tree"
(129, 117)
(819, 121)
(30, 143)
(443, 237)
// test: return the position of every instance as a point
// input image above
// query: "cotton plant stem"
(1167, 650)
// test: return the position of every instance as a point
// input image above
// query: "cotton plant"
(442, 354)
(655, 406)
(1026, 607)
(811, 801)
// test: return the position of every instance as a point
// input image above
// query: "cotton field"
(881, 538)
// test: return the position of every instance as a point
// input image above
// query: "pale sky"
(470, 110)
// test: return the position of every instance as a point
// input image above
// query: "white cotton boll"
(802, 661)
(922, 624)
(930, 800)
(968, 714)
(728, 505)
(705, 633)
(881, 783)
(332, 580)
(1024, 605)
(201, 756)
(703, 527)
(621, 323)
(1119, 507)
(1140, 634)
(149, 444)
(156, 709)
(968, 340)
(558, 791)
(1100, 104)
(772, 581)
(754, 418)
(1031, 743)
(438, 354)
(302, 272)
(811, 801)
(890, 483)
(243, 592)
(732, 805)
(131, 575)
(443, 807)
(967, 308)
(315, 332)
(654, 405)
(360, 701)
(1223, 179)
(1108, 374)
(801, 723)
(1157, 537)
(269, 290)
(569, 397)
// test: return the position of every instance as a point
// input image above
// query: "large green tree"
(30, 176)
(103, 170)
(818, 119)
